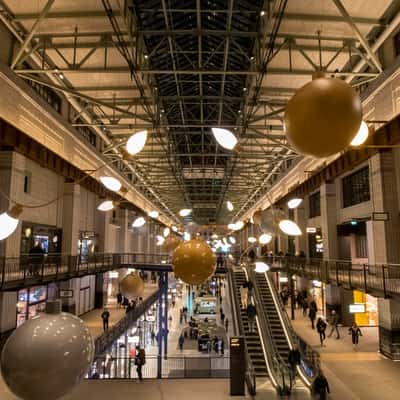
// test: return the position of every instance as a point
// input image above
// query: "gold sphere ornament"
(323, 117)
(257, 217)
(193, 261)
(132, 285)
(170, 244)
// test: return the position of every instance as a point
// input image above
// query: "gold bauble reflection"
(323, 117)
(193, 261)
(132, 285)
(170, 244)
(257, 217)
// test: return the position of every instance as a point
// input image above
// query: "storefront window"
(370, 317)
(31, 302)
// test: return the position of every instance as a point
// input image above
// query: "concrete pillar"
(71, 210)
(8, 311)
(389, 328)
(300, 218)
(123, 242)
(329, 221)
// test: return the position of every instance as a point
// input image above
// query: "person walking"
(119, 299)
(320, 386)
(226, 324)
(181, 341)
(222, 318)
(153, 336)
(294, 360)
(312, 314)
(305, 307)
(321, 327)
(105, 316)
(334, 321)
(140, 360)
(251, 315)
(355, 333)
(243, 295)
(222, 346)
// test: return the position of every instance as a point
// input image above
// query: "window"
(27, 183)
(315, 205)
(356, 188)
(47, 94)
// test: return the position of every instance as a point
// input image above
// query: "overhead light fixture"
(214, 236)
(229, 206)
(239, 225)
(111, 183)
(166, 232)
(289, 227)
(9, 221)
(294, 203)
(232, 239)
(261, 267)
(186, 236)
(185, 212)
(224, 241)
(252, 239)
(225, 138)
(262, 13)
(106, 205)
(160, 240)
(136, 142)
(251, 220)
(174, 228)
(265, 238)
(231, 227)
(138, 222)
(153, 214)
(362, 135)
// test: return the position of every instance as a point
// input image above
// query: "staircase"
(253, 341)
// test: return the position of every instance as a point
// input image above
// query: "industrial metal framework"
(180, 67)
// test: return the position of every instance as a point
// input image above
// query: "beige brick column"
(300, 217)
(329, 221)
(71, 210)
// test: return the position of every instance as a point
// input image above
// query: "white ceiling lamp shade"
(239, 225)
(289, 227)
(138, 222)
(160, 240)
(166, 232)
(232, 239)
(252, 239)
(136, 142)
(265, 238)
(106, 206)
(229, 205)
(261, 267)
(111, 183)
(185, 212)
(231, 227)
(225, 138)
(294, 203)
(9, 221)
(186, 236)
(362, 135)
(174, 228)
(153, 214)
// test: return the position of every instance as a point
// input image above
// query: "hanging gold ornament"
(132, 285)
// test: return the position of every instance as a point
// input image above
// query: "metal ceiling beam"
(331, 18)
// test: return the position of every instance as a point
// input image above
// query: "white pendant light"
(174, 228)
(9, 221)
(153, 214)
(265, 238)
(239, 225)
(186, 236)
(361, 136)
(232, 239)
(185, 212)
(136, 142)
(294, 203)
(261, 267)
(166, 232)
(224, 241)
(225, 138)
(138, 222)
(111, 183)
(214, 236)
(251, 220)
(160, 240)
(289, 227)
(231, 227)
(106, 205)
(252, 239)
(229, 206)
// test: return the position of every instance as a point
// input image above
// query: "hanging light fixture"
(239, 225)
(153, 214)
(185, 212)
(136, 142)
(111, 183)
(252, 239)
(265, 238)
(166, 232)
(294, 203)
(362, 135)
(174, 228)
(9, 221)
(225, 138)
(261, 267)
(138, 222)
(229, 206)
(289, 227)
(186, 236)
(232, 239)
(231, 227)
(160, 240)
(214, 236)
(106, 205)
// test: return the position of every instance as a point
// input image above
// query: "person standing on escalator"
(251, 315)
(243, 295)
(294, 360)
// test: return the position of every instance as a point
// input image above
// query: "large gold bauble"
(323, 117)
(193, 261)
(132, 285)
(170, 244)
(257, 217)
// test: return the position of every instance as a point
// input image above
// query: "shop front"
(49, 238)
(369, 316)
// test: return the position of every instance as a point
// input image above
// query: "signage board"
(357, 308)
(380, 216)
(311, 229)
(64, 294)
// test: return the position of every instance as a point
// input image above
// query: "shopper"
(243, 295)
(140, 360)
(119, 299)
(334, 321)
(355, 333)
(222, 346)
(105, 316)
(294, 360)
(320, 386)
(36, 259)
(226, 324)
(170, 320)
(321, 327)
(312, 314)
(305, 307)
(153, 336)
(222, 318)
(251, 315)
(181, 341)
